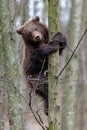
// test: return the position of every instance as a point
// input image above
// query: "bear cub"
(36, 50)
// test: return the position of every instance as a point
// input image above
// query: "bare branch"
(72, 53)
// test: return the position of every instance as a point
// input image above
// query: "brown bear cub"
(35, 55)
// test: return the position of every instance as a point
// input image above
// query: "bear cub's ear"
(36, 19)
(19, 30)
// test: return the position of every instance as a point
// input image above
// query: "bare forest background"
(14, 114)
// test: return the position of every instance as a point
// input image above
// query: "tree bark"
(54, 96)
(3, 64)
(9, 77)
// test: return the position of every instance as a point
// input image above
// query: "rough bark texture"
(54, 97)
(9, 96)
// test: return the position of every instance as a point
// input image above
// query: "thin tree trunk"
(54, 97)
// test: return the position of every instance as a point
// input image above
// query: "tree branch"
(72, 53)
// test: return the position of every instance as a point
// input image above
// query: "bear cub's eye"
(36, 29)
(29, 33)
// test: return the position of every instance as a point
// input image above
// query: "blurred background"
(73, 81)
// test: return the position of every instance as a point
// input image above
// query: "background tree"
(10, 107)
(72, 86)
(83, 75)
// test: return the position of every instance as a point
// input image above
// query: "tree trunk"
(54, 96)
(3, 64)
(72, 85)
(9, 77)
(82, 106)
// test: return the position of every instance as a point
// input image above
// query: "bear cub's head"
(34, 32)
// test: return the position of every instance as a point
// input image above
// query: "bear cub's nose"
(37, 38)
